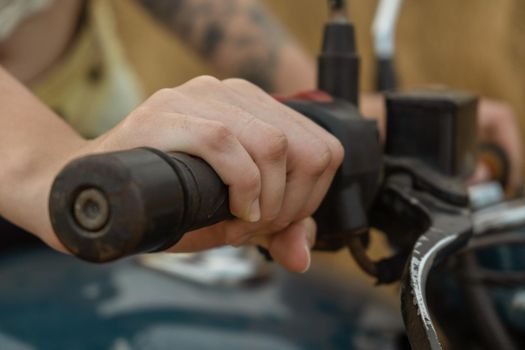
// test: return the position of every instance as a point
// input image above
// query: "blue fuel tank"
(53, 301)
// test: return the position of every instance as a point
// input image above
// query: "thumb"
(291, 247)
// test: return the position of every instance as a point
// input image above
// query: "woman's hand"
(497, 123)
(278, 164)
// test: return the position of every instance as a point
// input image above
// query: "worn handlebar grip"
(107, 206)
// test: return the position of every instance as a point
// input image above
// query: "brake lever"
(449, 231)
(446, 226)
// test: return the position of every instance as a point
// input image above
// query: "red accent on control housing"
(311, 95)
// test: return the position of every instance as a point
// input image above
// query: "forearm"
(240, 38)
(34, 144)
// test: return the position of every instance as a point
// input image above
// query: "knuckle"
(162, 94)
(338, 152)
(240, 83)
(320, 162)
(244, 86)
(251, 179)
(215, 134)
(276, 144)
(204, 80)
(317, 160)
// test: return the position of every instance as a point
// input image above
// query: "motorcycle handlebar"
(107, 206)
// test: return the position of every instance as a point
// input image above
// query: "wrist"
(28, 176)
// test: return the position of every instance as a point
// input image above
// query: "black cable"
(358, 252)
(386, 270)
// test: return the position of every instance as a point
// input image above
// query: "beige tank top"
(94, 86)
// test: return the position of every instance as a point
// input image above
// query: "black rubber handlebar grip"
(107, 206)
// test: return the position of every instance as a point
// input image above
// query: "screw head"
(91, 209)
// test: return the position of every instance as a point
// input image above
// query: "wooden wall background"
(477, 45)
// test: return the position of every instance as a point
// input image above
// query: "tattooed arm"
(240, 38)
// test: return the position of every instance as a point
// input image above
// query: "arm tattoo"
(239, 36)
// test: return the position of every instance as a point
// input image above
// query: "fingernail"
(308, 256)
(255, 211)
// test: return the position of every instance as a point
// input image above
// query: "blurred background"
(476, 45)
